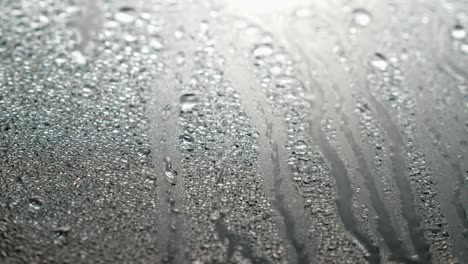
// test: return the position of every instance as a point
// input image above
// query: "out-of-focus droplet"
(188, 101)
(125, 15)
(263, 50)
(379, 62)
(180, 58)
(60, 61)
(130, 38)
(303, 12)
(78, 57)
(361, 17)
(157, 43)
(458, 32)
(464, 48)
(179, 33)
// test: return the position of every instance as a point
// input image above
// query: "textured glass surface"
(260, 131)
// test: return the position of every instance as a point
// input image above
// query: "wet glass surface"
(185, 131)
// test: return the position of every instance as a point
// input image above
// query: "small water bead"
(188, 101)
(379, 62)
(458, 32)
(361, 17)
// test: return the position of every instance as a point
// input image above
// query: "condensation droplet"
(180, 58)
(179, 33)
(125, 15)
(458, 32)
(171, 174)
(187, 142)
(145, 151)
(157, 43)
(36, 202)
(263, 50)
(78, 57)
(361, 17)
(188, 102)
(379, 62)
(303, 12)
(464, 48)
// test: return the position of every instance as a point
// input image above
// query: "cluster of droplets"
(231, 217)
(309, 172)
(389, 87)
(74, 137)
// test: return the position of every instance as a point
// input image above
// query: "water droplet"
(171, 174)
(179, 33)
(187, 142)
(263, 50)
(166, 111)
(130, 38)
(78, 57)
(303, 12)
(125, 15)
(361, 17)
(60, 61)
(188, 101)
(458, 32)
(379, 62)
(464, 48)
(180, 58)
(215, 215)
(145, 151)
(36, 202)
(157, 43)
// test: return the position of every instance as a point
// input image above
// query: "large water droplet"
(361, 17)
(188, 101)
(379, 62)
(171, 174)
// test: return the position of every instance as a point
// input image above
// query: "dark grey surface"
(233, 131)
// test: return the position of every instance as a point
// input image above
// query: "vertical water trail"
(288, 219)
(285, 93)
(418, 192)
(230, 216)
